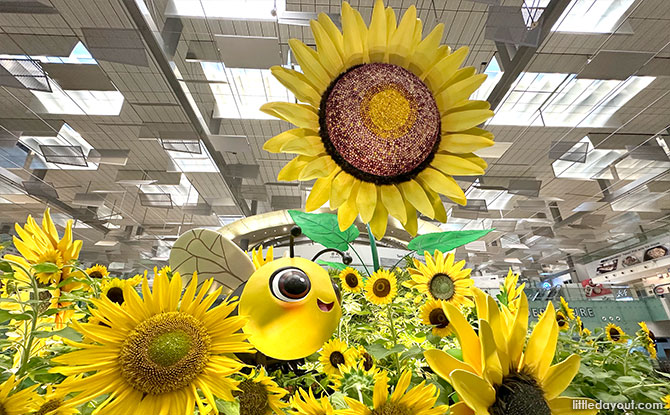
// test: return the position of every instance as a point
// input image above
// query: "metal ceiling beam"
(149, 32)
(513, 59)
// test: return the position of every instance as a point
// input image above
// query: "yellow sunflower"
(566, 310)
(305, 403)
(441, 279)
(512, 292)
(385, 120)
(97, 271)
(257, 256)
(351, 280)
(156, 351)
(382, 287)
(334, 354)
(666, 401)
(364, 358)
(615, 334)
(113, 288)
(20, 402)
(583, 331)
(562, 321)
(165, 271)
(420, 400)
(354, 377)
(500, 373)
(260, 395)
(54, 401)
(433, 315)
(648, 339)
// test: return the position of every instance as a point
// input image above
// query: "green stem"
(400, 260)
(373, 248)
(360, 259)
(30, 336)
(389, 313)
(644, 385)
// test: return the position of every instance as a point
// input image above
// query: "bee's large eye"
(290, 284)
(338, 293)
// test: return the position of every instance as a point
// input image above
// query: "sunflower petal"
(392, 200)
(307, 146)
(340, 189)
(458, 92)
(414, 193)
(466, 336)
(275, 144)
(412, 223)
(542, 344)
(320, 192)
(559, 376)
(462, 120)
(319, 167)
(473, 390)
(363, 33)
(518, 333)
(454, 165)
(443, 184)
(377, 35)
(297, 83)
(303, 116)
(333, 32)
(473, 158)
(353, 44)
(492, 369)
(438, 75)
(443, 363)
(366, 200)
(436, 202)
(310, 65)
(463, 143)
(391, 25)
(329, 57)
(400, 44)
(424, 53)
(347, 213)
(293, 168)
(379, 219)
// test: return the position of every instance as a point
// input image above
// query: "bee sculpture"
(291, 304)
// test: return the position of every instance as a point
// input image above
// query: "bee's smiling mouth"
(323, 306)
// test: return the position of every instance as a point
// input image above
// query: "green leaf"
(457, 353)
(334, 265)
(9, 315)
(414, 351)
(445, 241)
(324, 229)
(228, 408)
(379, 352)
(46, 267)
(5, 267)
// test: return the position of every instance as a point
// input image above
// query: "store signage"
(659, 290)
(642, 253)
(579, 312)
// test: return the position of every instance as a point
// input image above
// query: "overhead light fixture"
(107, 243)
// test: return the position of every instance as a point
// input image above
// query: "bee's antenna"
(346, 258)
(295, 232)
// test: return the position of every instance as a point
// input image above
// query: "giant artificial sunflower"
(260, 395)
(17, 402)
(615, 334)
(441, 279)
(334, 354)
(502, 375)
(420, 400)
(305, 403)
(156, 351)
(385, 120)
(97, 271)
(351, 280)
(648, 339)
(433, 315)
(382, 287)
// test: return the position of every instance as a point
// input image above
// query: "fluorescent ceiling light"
(244, 92)
(193, 162)
(581, 16)
(106, 243)
(67, 136)
(562, 100)
(228, 9)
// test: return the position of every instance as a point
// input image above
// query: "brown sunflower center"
(652, 337)
(561, 320)
(164, 353)
(438, 318)
(380, 123)
(95, 274)
(381, 287)
(614, 334)
(48, 406)
(336, 359)
(392, 408)
(519, 394)
(351, 280)
(2, 409)
(442, 287)
(115, 295)
(253, 398)
(368, 362)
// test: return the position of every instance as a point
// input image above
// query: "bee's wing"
(211, 255)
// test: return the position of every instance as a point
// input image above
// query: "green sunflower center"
(115, 295)
(351, 280)
(253, 398)
(381, 287)
(336, 359)
(47, 407)
(442, 287)
(519, 394)
(438, 318)
(615, 335)
(165, 353)
(391, 408)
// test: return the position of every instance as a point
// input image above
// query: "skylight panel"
(70, 102)
(581, 16)
(67, 136)
(182, 194)
(229, 9)
(596, 165)
(494, 73)
(193, 162)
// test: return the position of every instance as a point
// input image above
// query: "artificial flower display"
(334, 355)
(113, 288)
(351, 280)
(381, 288)
(97, 271)
(442, 279)
(648, 339)
(562, 321)
(155, 352)
(433, 315)
(384, 119)
(615, 334)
